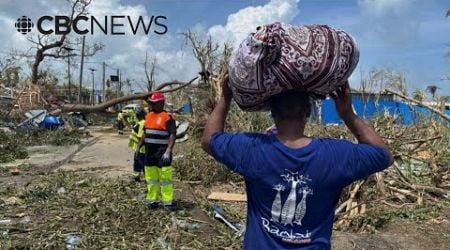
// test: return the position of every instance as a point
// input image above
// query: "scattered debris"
(61, 190)
(183, 139)
(5, 222)
(34, 118)
(162, 243)
(25, 220)
(72, 241)
(79, 183)
(14, 171)
(227, 196)
(5, 234)
(13, 201)
(182, 128)
(184, 224)
(178, 157)
(20, 215)
(219, 214)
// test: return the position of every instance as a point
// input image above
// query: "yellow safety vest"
(131, 117)
(135, 137)
(120, 117)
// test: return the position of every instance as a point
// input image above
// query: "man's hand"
(166, 157)
(362, 132)
(226, 90)
(343, 102)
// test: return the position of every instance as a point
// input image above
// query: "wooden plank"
(227, 196)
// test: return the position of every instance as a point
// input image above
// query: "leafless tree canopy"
(150, 76)
(53, 45)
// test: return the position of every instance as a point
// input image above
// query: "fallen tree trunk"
(446, 117)
(103, 106)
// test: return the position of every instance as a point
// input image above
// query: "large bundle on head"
(280, 57)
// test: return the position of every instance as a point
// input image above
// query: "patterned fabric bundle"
(280, 57)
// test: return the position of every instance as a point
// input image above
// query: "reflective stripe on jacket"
(156, 128)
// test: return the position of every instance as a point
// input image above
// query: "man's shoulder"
(334, 144)
(334, 141)
(241, 136)
(244, 135)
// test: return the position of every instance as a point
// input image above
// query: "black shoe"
(170, 207)
(152, 205)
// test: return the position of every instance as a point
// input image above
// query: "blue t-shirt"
(292, 193)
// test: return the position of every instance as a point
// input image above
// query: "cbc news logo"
(81, 25)
(24, 25)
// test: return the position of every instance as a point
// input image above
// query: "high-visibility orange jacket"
(158, 127)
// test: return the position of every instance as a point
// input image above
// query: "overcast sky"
(408, 35)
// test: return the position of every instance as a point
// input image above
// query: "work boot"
(152, 205)
(170, 207)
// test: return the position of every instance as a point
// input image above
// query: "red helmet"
(156, 97)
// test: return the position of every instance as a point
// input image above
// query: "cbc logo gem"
(24, 25)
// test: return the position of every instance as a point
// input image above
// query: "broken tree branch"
(446, 117)
(103, 106)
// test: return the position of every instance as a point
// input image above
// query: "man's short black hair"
(291, 105)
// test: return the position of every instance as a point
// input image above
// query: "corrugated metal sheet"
(404, 113)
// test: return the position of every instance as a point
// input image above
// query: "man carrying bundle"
(293, 182)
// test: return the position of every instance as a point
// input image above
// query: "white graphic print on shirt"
(290, 212)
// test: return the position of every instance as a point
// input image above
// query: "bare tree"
(380, 78)
(6, 63)
(53, 46)
(150, 76)
(205, 53)
(213, 61)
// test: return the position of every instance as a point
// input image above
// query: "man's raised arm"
(216, 120)
(363, 132)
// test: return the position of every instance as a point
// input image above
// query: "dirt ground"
(105, 155)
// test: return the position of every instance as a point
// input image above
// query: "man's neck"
(291, 133)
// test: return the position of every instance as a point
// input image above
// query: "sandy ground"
(109, 156)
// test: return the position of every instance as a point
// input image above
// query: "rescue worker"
(135, 136)
(131, 118)
(120, 122)
(159, 139)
